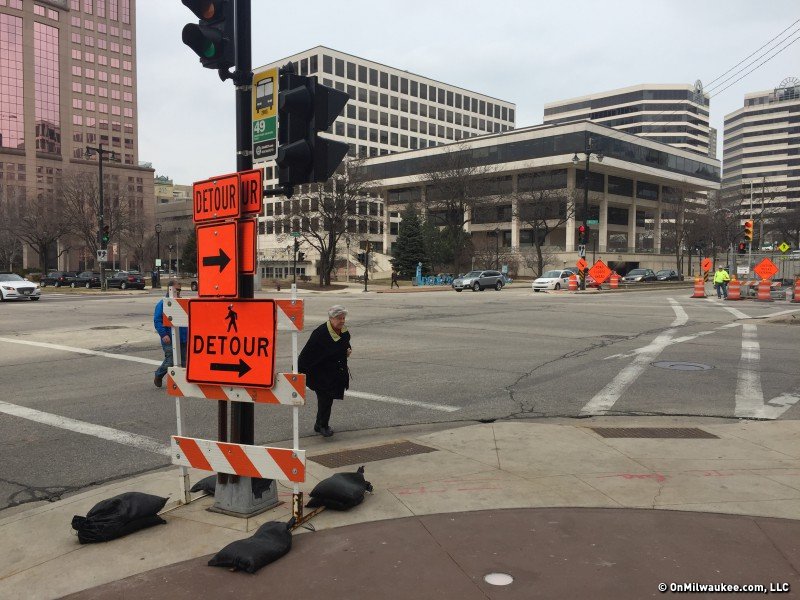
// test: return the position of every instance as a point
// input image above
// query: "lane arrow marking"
(221, 260)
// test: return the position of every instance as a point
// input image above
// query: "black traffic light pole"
(585, 235)
(101, 152)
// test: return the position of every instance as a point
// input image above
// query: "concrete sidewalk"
(563, 510)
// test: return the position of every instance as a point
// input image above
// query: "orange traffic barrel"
(573, 282)
(699, 288)
(763, 291)
(614, 281)
(796, 296)
(735, 290)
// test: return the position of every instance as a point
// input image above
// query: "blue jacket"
(158, 323)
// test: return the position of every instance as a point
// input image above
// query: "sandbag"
(270, 541)
(340, 491)
(207, 485)
(118, 516)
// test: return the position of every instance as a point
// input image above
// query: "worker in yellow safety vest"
(721, 279)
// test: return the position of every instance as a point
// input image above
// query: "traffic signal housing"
(583, 234)
(105, 235)
(742, 247)
(213, 37)
(305, 109)
(748, 231)
(301, 256)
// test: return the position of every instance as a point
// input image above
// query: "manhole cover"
(370, 454)
(654, 432)
(681, 366)
(106, 327)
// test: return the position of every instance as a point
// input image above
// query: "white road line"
(749, 396)
(680, 340)
(736, 313)
(146, 361)
(404, 402)
(125, 438)
(605, 399)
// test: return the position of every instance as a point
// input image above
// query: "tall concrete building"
(390, 110)
(68, 80)
(761, 146)
(672, 114)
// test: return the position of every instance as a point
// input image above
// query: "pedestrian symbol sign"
(232, 342)
(784, 247)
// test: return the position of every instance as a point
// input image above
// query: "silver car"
(479, 280)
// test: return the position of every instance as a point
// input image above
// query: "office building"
(68, 81)
(761, 146)
(671, 114)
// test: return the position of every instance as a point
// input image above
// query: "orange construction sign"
(216, 198)
(581, 264)
(600, 271)
(706, 265)
(251, 188)
(232, 342)
(217, 257)
(247, 246)
(765, 269)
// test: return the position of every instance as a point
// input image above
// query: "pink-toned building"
(68, 81)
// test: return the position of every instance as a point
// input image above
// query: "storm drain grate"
(370, 454)
(654, 432)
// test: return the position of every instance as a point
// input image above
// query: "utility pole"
(366, 266)
(103, 232)
(584, 229)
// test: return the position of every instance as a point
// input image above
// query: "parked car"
(58, 278)
(86, 279)
(479, 281)
(552, 280)
(639, 275)
(668, 275)
(14, 287)
(125, 280)
(193, 285)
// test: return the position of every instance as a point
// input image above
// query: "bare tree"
(10, 240)
(455, 184)
(324, 213)
(542, 205)
(43, 223)
(139, 239)
(787, 225)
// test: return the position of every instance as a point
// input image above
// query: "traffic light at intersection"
(213, 37)
(748, 231)
(583, 235)
(305, 109)
(105, 235)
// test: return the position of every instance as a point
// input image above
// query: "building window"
(46, 71)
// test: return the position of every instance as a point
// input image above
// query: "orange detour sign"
(216, 198)
(581, 264)
(217, 255)
(232, 342)
(599, 271)
(706, 265)
(247, 246)
(251, 188)
(765, 269)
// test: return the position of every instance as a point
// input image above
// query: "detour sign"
(231, 342)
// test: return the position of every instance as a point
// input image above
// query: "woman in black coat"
(324, 362)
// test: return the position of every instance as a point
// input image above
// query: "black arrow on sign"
(213, 261)
(241, 368)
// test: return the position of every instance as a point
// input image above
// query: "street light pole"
(157, 282)
(497, 247)
(101, 153)
(366, 266)
(582, 243)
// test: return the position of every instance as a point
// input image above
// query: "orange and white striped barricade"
(796, 295)
(239, 459)
(573, 283)
(764, 287)
(699, 288)
(289, 389)
(614, 281)
(734, 290)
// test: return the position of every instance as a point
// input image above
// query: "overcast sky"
(523, 51)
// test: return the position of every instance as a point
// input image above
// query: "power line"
(756, 67)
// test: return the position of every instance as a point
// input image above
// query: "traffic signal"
(362, 256)
(748, 231)
(306, 108)
(583, 234)
(213, 38)
(105, 235)
(742, 247)
(301, 256)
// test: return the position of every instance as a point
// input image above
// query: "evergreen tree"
(189, 253)
(409, 249)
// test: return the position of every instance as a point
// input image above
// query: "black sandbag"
(270, 541)
(340, 491)
(207, 485)
(118, 516)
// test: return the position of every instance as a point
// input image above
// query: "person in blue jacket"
(165, 334)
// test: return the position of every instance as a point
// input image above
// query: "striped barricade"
(290, 313)
(289, 388)
(239, 459)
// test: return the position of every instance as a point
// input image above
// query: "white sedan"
(14, 287)
(552, 280)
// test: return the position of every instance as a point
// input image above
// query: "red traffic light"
(582, 229)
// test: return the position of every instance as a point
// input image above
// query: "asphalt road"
(69, 420)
